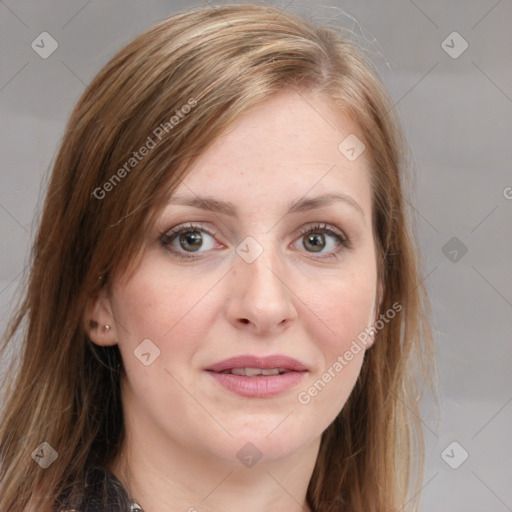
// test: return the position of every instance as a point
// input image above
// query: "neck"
(163, 475)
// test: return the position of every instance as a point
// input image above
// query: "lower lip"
(263, 386)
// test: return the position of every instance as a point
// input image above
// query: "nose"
(260, 298)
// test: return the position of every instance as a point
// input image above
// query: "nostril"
(245, 321)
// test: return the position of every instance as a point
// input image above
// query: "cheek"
(173, 310)
(341, 308)
(337, 314)
(147, 303)
(160, 306)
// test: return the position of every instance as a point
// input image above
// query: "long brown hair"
(174, 90)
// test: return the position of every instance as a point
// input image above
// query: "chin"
(251, 445)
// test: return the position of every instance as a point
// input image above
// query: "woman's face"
(274, 270)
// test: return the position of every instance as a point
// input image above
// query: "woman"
(224, 307)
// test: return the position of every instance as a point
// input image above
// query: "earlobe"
(99, 321)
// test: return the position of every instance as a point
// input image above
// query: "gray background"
(457, 113)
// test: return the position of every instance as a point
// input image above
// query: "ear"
(99, 321)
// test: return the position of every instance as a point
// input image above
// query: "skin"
(183, 429)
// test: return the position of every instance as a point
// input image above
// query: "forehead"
(284, 148)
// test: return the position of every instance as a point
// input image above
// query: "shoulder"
(101, 492)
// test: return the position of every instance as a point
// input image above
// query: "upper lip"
(266, 362)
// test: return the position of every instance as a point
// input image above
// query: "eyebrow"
(298, 206)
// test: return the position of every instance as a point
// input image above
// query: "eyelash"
(167, 237)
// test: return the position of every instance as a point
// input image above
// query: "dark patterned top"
(103, 492)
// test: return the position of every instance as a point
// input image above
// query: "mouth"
(258, 377)
(258, 365)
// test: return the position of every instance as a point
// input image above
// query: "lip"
(263, 386)
(263, 362)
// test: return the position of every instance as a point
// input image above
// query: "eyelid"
(322, 226)
(167, 235)
(212, 232)
(189, 226)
